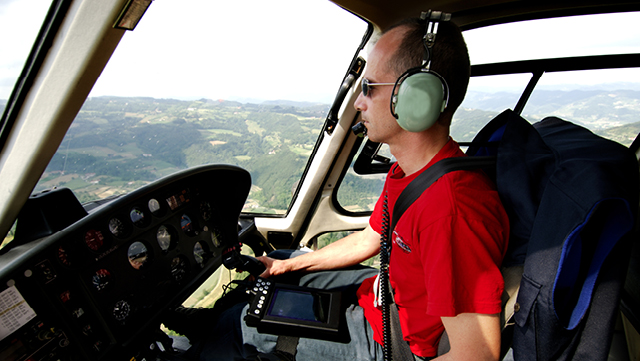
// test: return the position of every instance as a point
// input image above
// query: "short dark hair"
(449, 57)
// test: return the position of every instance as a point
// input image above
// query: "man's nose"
(360, 103)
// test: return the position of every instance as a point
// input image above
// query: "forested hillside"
(117, 144)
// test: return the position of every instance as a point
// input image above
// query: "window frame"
(369, 163)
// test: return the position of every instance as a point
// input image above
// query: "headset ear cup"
(420, 100)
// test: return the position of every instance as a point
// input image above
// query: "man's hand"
(274, 266)
(345, 252)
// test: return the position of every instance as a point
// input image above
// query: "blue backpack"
(571, 197)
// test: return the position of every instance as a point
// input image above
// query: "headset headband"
(431, 20)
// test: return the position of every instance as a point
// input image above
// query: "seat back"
(571, 197)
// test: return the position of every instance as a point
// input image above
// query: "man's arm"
(345, 252)
(472, 336)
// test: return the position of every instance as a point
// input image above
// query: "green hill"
(118, 144)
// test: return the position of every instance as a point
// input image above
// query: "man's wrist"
(279, 266)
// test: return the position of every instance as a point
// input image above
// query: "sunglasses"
(366, 85)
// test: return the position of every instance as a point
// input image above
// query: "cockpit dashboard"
(95, 290)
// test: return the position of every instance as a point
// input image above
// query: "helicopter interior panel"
(94, 290)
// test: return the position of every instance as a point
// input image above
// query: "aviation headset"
(420, 94)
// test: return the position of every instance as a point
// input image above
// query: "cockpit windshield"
(20, 22)
(193, 85)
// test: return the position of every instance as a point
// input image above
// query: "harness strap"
(401, 350)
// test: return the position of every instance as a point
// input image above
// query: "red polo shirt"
(446, 253)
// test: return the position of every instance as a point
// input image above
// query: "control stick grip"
(251, 265)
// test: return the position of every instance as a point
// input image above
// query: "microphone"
(359, 129)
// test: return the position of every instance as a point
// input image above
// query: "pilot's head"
(399, 49)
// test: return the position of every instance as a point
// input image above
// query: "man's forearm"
(473, 337)
(345, 252)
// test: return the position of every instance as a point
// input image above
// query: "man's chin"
(373, 137)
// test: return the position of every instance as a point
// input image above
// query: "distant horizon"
(613, 86)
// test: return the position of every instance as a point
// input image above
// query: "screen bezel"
(332, 300)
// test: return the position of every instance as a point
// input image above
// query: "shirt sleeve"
(375, 221)
(461, 270)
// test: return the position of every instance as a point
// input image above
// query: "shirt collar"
(450, 149)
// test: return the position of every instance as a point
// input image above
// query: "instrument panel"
(94, 290)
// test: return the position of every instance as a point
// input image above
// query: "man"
(447, 247)
(466, 207)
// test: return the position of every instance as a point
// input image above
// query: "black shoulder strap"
(433, 173)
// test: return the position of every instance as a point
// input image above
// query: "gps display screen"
(298, 305)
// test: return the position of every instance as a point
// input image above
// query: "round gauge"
(205, 210)
(200, 253)
(179, 268)
(138, 255)
(154, 207)
(187, 225)
(117, 227)
(101, 279)
(63, 256)
(94, 240)
(216, 238)
(121, 310)
(164, 238)
(137, 217)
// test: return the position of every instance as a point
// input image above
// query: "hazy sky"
(196, 49)
(19, 25)
(203, 48)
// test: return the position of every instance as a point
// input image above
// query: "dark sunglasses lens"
(365, 87)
